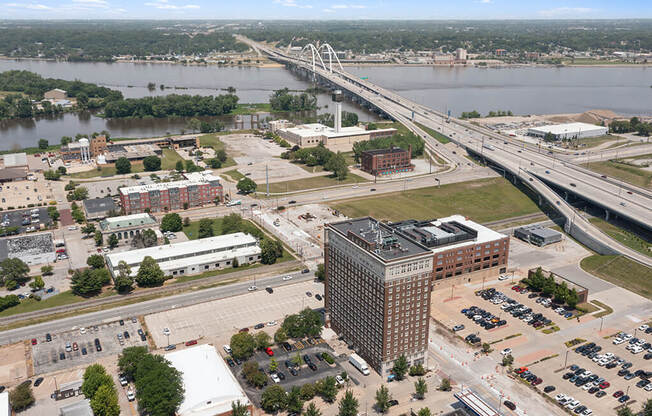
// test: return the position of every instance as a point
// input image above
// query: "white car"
(252, 288)
(166, 331)
(506, 351)
(648, 387)
(82, 330)
(275, 378)
(587, 412)
(227, 349)
(123, 381)
(339, 379)
(131, 396)
(618, 341)
(560, 397)
(636, 350)
(286, 278)
(643, 327)
(503, 277)
(271, 323)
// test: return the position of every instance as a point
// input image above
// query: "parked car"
(509, 405)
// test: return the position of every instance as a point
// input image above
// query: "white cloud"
(566, 12)
(328, 10)
(348, 6)
(164, 5)
(30, 6)
(485, 1)
(293, 3)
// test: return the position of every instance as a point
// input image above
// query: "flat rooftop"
(126, 221)
(540, 231)
(161, 186)
(99, 205)
(379, 239)
(476, 403)
(566, 128)
(316, 129)
(384, 151)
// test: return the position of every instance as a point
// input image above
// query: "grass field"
(31, 305)
(482, 200)
(596, 141)
(630, 174)
(620, 271)
(213, 140)
(169, 159)
(623, 236)
(437, 135)
(310, 183)
(251, 108)
(310, 169)
(234, 174)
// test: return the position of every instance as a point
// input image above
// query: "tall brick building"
(377, 291)
(380, 162)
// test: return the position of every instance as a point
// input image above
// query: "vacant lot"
(169, 158)
(482, 200)
(213, 140)
(310, 183)
(621, 271)
(631, 174)
(623, 236)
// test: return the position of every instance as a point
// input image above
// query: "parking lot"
(219, 319)
(47, 356)
(24, 220)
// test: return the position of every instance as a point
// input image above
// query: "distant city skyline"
(326, 10)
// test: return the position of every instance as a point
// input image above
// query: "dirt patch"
(533, 357)
(13, 366)
(66, 217)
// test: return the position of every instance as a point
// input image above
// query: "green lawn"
(310, 169)
(169, 159)
(621, 271)
(589, 142)
(310, 183)
(630, 174)
(234, 174)
(623, 236)
(242, 109)
(482, 200)
(437, 135)
(213, 140)
(31, 305)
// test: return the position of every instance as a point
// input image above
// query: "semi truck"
(359, 363)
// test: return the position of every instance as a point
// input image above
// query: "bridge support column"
(540, 200)
(606, 215)
(565, 196)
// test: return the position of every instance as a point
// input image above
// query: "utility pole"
(267, 178)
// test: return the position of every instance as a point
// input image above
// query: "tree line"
(283, 100)
(320, 155)
(631, 125)
(550, 288)
(172, 105)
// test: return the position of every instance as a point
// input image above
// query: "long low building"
(568, 131)
(31, 248)
(193, 257)
(342, 139)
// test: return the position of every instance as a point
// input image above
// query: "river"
(523, 90)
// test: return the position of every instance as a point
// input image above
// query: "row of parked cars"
(635, 345)
(485, 319)
(517, 310)
(573, 405)
(610, 360)
(527, 375)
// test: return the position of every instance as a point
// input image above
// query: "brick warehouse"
(380, 162)
(171, 196)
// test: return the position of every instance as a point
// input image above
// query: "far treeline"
(631, 125)
(172, 105)
(282, 100)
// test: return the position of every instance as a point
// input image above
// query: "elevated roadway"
(539, 169)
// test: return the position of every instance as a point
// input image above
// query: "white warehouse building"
(192, 257)
(569, 131)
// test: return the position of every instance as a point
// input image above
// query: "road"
(144, 308)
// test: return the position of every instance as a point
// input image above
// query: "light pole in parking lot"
(601, 321)
(168, 335)
(566, 359)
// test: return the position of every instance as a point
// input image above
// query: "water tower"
(84, 150)
(337, 99)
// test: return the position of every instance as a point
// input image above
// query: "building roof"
(476, 403)
(176, 252)
(543, 232)
(15, 159)
(378, 239)
(203, 176)
(567, 128)
(80, 408)
(209, 384)
(316, 129)
(12, 173)
(161, 186)
(4, 404)
(125, 221)
(26, 245)
(99, 205)
(385, 151)
(57, 90)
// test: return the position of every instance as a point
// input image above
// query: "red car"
(618, 394)
(516, 287)
(34, 342)
(537, 381)
(75, 347)
(604, 385)
(269, 352)
(192, 342)
(520, 370)
(244, 330)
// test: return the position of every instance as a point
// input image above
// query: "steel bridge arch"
(317, 52)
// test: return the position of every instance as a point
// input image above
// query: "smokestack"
(337, 99)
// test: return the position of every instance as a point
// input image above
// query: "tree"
(625, 411)
(400, 367)
(123, 282)
(311, 410)
(21, 397)
(320, 274)
(246, 185)
(242, 345)
(171, 222)
(13, 269)
(43, 144)
(94, 377)
(47, 270)
(382, 399)
(445, 384)
(239, 409)
(122, 166)
(262, 340)
(152, 163)
(273, 365)
(38, 283)
(280, 336)
(305, 323)
(221, 155)
(253, 375)
(129, 358)
(80, 193)
(420, 388)
(88, 229)
(51, 175)
(65, 140)
(186, 221)
(82, 100)
(214, 163)
(337, 165)
(149, 274)
(327, 388)
(89, 282)
(486, 347)
(268, 251)
(105, 401)
(193, 124)
(273, 399)
(647, 408)
(205, 228)
(62, 170)
(572, 298)
(507, 360)
(417, 370)
(179, 166)
(424, 411)
(99, 238)
(308, 391)
(348, 405)
(294, 401)
(145, 239)
(96, 261)
(159, 386)
(113, 241)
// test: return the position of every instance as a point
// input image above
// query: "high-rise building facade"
(377, 291)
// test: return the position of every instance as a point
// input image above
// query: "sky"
(325, 9)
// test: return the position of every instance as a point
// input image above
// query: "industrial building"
(334, 139)
(13, 174)
(462, 249)
(12, 160)
(377, 291)
(127, 226)
(380, 162)
(210, 386)
(5, 407)
(568, 131)
(32, 248)
(80, 408)
(201, 190)
(107, 151)
(194, 256)
(98, 208)
(55, 94)
(537, 235)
